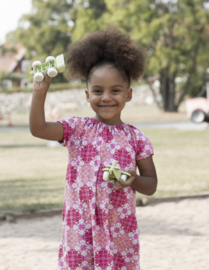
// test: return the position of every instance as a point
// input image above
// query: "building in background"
(13, 66)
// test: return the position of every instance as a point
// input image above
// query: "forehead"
(106, 75)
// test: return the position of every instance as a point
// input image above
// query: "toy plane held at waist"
(112, 172)
(52, 66)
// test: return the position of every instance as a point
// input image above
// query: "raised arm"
(38, 126)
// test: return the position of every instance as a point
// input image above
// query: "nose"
(106, 97)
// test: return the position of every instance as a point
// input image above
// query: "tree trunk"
(167, 90)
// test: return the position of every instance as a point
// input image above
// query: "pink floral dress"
(99, 220)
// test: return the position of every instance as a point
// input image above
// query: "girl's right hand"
(42, 86)
(52, 131)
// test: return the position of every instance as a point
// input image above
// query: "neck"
(110, 122)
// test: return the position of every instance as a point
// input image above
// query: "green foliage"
(84, 24)
(4, 50)
(46, 31)
(174, 33)
(15, 77)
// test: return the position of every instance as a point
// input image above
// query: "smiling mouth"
(110, 106)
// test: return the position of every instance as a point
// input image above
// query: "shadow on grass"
(22, 145)
(30, 195)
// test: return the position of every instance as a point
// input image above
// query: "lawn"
(32, 174)
(130, 114)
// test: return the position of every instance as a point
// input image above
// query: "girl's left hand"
(122, 183)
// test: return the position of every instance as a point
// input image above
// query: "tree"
(86, 16)
(175, 35)
(45, 31)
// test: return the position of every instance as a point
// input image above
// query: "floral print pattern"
(100, 229)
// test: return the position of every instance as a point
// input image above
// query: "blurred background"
(170, 103)
(172, 92)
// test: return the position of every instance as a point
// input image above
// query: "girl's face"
(107, 94)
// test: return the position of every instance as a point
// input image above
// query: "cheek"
(93, 100)
(123, 98)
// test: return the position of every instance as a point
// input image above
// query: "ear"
(87, 95)
(129, 95)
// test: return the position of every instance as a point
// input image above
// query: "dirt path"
(173, 236)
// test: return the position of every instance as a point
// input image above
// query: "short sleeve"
(69, 126)
(144, 146)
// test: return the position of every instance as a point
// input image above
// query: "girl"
(99, 219)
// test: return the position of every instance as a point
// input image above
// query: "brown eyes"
(100, 91)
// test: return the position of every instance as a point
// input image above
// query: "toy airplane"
(112, 172)
(52, 66)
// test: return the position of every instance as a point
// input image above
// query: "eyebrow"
(116, 85)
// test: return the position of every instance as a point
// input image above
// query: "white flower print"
(81, 227)
(74, 185)
(97, 247)
(82, 163)
(124, 211)
(108, 247)
(129, 255)
(134, 236)
(110, 206)
(77, 142)
(75, 162)
(84, 263)
(85, 221)
(104, 185)
(104, 205)
(129, 192)
(97, 227)
(128, 149)
(78, 206)
(83, 248)
(90, 183)
(112, 145)
(117, 230)
(95, 163)
(84, 142)
(115, 250)
(78, 184)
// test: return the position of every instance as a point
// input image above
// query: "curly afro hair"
(100, 48)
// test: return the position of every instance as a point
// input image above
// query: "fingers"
(47, 78)
(128, 182)
(132, 172)
(123, 184)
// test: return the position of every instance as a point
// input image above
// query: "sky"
(10, 12)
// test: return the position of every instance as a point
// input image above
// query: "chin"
(107, 117)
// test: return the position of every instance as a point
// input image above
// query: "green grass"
(32, 178)
(130, 114)
(181, 159)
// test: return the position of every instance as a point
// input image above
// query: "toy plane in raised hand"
(52, 66)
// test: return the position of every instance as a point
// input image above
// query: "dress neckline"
(96, 121)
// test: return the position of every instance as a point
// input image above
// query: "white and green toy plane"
(52, 66)
(112, 172)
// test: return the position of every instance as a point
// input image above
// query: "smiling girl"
(99, 219)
